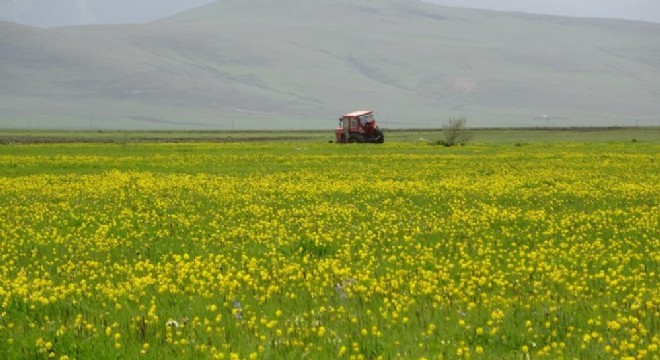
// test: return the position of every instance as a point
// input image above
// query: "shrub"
(454, 131)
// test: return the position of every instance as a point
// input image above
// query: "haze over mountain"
(641, 10)
(50, 13)
(301, 63)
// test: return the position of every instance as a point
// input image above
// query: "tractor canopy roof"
(359, 113)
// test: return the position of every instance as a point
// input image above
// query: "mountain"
(301, 63)
(640, 10)
(49, 13)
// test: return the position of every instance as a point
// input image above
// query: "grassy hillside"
(260, 64)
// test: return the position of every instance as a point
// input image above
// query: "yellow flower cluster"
(242, 251)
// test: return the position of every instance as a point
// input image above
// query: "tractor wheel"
(355, 138)
(380, 137)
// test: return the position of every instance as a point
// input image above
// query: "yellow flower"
(342, 351)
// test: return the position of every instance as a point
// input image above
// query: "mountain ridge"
(48, 13)
(299, 66)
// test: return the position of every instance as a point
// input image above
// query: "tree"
(454, 131)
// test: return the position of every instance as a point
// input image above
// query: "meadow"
(300, 249)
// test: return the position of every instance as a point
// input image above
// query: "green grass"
(519, 137)
(399, 250)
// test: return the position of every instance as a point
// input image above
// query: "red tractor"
(359, 127)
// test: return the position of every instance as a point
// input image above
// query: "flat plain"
(509, 247)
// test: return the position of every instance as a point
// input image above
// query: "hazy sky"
(47, 13)
(645, 10)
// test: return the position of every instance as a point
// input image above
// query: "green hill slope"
(299, 64)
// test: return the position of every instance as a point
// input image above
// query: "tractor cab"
(359, 127)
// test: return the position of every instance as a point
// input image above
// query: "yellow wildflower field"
(292, 250)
